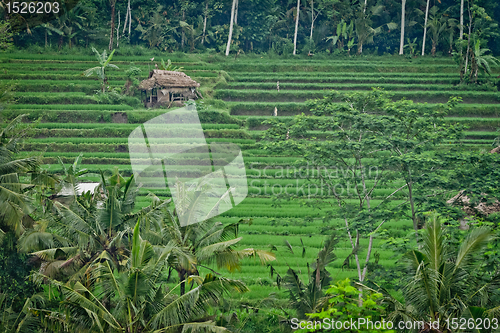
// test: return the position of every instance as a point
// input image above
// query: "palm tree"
(14, 202)
(157, 29)
(136, 299)
(230, 36)
(443, 283)
(437, 25)
(23, 321)
(79, 235)
(480, 60)
(104, 63)
(309, 297)
(364, 31)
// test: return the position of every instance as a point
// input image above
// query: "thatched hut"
(162, 88)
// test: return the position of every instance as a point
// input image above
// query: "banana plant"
(344, 32)
(168, 66)
(104, 63)
(411, 45)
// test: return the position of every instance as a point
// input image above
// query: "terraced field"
(73, 121)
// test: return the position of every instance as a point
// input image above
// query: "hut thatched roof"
(167, 79)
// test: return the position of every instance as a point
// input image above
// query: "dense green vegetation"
(274, 223)
(272, 26)
(370, 136)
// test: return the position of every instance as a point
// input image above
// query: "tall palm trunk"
(182, 277)
(230, 28)
(312, 20)
(111, 34)
(360, 42)
(461, 19)
(118, 31)
(296, 28)
(468, 42)
(236, 13)
(183, 35)
(128, 19)
(425, 26)
(205, 23)
(402, 39)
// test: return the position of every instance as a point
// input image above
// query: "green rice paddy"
(73, 122)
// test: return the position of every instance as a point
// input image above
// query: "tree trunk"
(433, 50)
(113, 5)
(425, 26)
(402, 39)
(360, 47)
(182, 276)
(236, 13)
(468, 44)
(118, 30)
(125, 23)
(409, 183)
(451, 43)
(126, 18)
(46, 38)
(312, 20)
(296, 28)
(183, 35)
(461, 19)
(205, 23)
(230, 28)
(129, 20)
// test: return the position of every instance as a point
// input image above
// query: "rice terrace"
(372, 177)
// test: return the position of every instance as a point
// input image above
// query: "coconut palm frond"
(475, 241)
(209, 250)
(264, 256)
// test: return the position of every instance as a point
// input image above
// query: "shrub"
(343, 306)
(114, 97)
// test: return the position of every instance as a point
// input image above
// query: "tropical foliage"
(266, 26)
(444, 281)
(14, 202)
